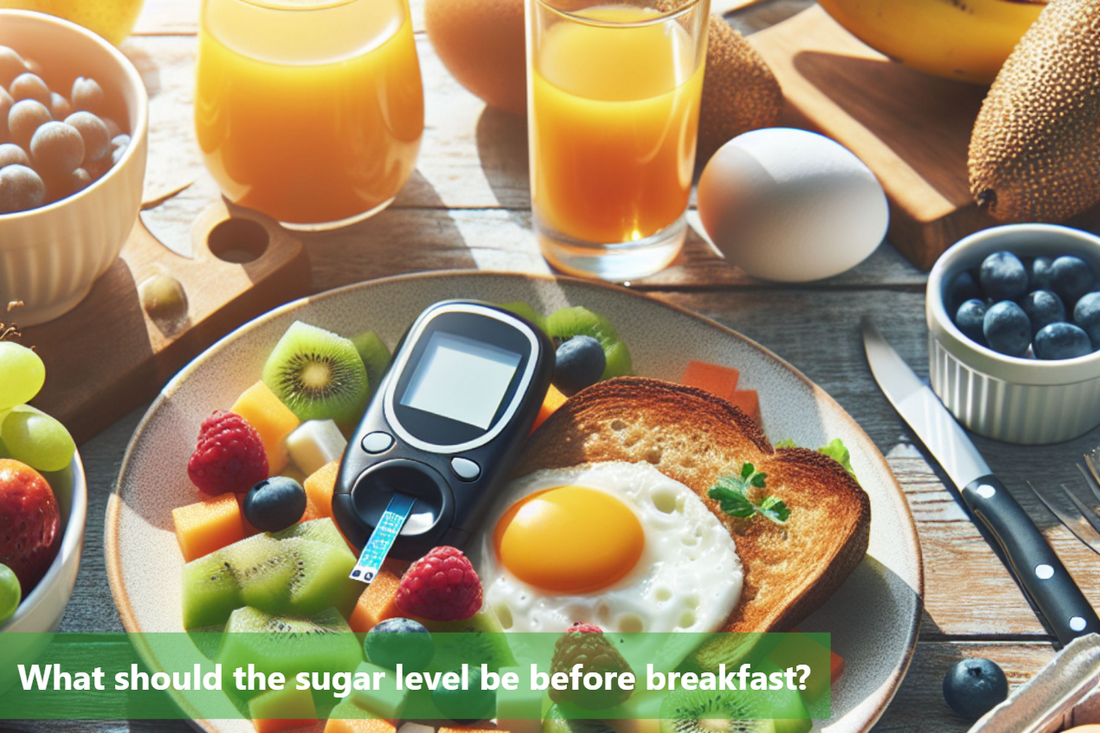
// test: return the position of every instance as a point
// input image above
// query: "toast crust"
(695, 437)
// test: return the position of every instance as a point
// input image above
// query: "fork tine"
(1089, 537)
(1087, 513)
(1091, 480)
(1093, 459)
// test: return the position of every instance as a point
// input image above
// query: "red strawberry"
(230, 455)
(441, 586)
(585, 644)
(30, 523)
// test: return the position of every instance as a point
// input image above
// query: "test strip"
(382, 538)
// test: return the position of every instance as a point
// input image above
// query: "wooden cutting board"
(109, 355)
(911, 129)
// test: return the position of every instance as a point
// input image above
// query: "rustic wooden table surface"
(467, 207)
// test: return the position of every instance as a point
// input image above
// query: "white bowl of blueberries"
(1014, 332)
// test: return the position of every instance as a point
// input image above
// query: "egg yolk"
(570, 539)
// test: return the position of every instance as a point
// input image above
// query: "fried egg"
(615, 544)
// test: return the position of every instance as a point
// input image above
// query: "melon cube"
(347, 717)
(208, 525)
(385, 701)
(282, 709)
(378, 602)
(315, 443)
(550, 404)
(319, 487)
(272, 420)
(718, 380)
(748, 401)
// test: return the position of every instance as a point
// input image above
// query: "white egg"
(687, 577)
(791, 205)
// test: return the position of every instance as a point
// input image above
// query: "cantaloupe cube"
(718, 380)
(209, 525)
(282, 709)
(319, 487)
(550, 404)
(347, 717)
(378, 602)
(249, 530)
(272, 420)
(748, 401)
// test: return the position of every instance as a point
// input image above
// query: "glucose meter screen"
(461, 379)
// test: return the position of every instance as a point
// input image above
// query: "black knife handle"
(1033, 561)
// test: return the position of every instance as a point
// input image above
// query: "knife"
(1025, 551)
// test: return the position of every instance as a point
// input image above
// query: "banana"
(967, 40)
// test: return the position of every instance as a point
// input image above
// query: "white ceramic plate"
(873, 618)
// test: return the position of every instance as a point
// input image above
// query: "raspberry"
(230, 455)
(585, 644)
(441, 586)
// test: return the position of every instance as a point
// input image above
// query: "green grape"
(22, 374)
(37, 439)
(10, 593)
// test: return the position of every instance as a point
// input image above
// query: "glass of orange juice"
(613, 90)
(310, 111)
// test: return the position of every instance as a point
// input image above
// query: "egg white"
(688, 577)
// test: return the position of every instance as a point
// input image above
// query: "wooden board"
(911, 129)
(108, 355)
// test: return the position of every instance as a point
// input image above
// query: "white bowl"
(51, 256)
(42, 609)
(1018, 400)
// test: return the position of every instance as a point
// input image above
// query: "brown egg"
(482, 42)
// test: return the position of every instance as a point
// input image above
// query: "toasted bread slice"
(694, 437)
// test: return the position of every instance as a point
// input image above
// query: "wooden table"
(467, 207)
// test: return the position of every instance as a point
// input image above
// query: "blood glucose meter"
(441, 432)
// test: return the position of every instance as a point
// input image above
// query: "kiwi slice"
(293, 576)
(524, 310)
(711, 711)
(322, 642)
(375, 355)
(477, 640)
(317, 374)
(317, 530)
(564, 324)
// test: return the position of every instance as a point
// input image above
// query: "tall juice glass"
(310, 111)
(612, 114)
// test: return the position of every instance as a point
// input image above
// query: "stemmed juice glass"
(310, 111)
(612, 111)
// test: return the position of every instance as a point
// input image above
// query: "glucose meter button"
(377, 442)
(465, 469)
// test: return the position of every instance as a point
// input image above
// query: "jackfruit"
(1035, 148)
(740, 92)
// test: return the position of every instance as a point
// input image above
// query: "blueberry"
(399, 640)
(274, 504)
(1062, 341)
(466, 706)
(969, 319)
(1003, 276)
(1072, 278)
(579, 363)
(1043, 307)
(973, 687)
(1087, 315)
(963, 288)
(1007, 328)
(1039, 276)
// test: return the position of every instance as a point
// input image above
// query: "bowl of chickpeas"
(73, 141)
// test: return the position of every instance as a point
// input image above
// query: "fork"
(1085, 526)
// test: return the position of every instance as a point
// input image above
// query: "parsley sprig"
(736, 496)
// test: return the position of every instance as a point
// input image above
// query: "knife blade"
(1026, 553)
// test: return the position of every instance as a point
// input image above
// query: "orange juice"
(613, 121)
(310, 112)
